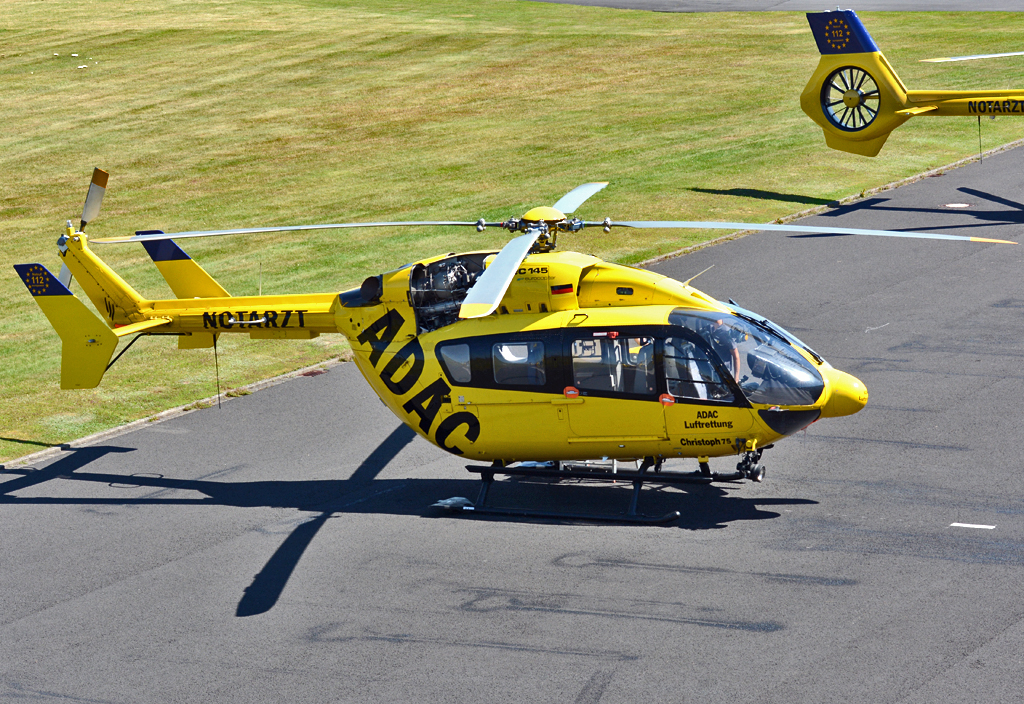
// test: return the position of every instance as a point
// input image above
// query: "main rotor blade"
(485, 295)
(286, 228)
(574, 198)
(788, 228)
(944, 59)
(94, 197)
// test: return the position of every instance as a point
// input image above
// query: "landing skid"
(590, 470)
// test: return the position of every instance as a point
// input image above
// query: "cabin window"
(614, 364)
(518, 363)
(689, 372)
(455, 359)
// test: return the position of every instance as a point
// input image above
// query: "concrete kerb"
(819, 209)
(223, 397)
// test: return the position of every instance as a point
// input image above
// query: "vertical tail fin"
(840, 32)
(187, 280)
(185, 277)
(87, 342)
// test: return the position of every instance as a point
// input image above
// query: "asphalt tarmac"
(283, 547)
(799, 5)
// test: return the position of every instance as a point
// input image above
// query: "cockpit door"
(703, 411)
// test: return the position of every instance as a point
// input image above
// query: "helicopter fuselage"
(582, 359)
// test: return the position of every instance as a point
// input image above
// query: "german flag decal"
(561, 288)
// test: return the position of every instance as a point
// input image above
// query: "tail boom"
(967, 102)
(108, 292)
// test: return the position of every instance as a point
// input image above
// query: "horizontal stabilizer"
(87, 344)
(917, 111)
(133, 328)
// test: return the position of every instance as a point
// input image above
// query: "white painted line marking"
(970, 525)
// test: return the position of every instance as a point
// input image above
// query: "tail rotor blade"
(489, 289)
(95, 196)
(65, 276)
(575, 198)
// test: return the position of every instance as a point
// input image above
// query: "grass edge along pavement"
(226, 395)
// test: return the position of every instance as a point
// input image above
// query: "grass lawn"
(214, 114)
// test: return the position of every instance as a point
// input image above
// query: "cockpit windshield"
(764, 364)
(777, 329)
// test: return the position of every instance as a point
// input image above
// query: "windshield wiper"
(771, 327)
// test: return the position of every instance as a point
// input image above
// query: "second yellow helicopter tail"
(854, 95)
(857, 99)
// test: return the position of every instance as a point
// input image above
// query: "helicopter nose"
(848, 395)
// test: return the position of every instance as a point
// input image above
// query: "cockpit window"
(689, 372)
(764, 364)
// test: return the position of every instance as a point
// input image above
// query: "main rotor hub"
(544, 213)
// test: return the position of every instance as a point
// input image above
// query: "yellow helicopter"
(857, 99)
(537, 361)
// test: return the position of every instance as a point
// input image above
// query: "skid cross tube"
(569, 471)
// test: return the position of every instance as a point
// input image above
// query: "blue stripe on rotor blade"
(40, 282)
(164, 251)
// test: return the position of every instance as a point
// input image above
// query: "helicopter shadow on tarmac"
(704, 507)
(982, 217)
(760, 194)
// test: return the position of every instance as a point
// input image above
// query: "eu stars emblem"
(837, 33)
(37, 280)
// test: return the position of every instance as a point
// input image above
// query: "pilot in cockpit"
(721, 337)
